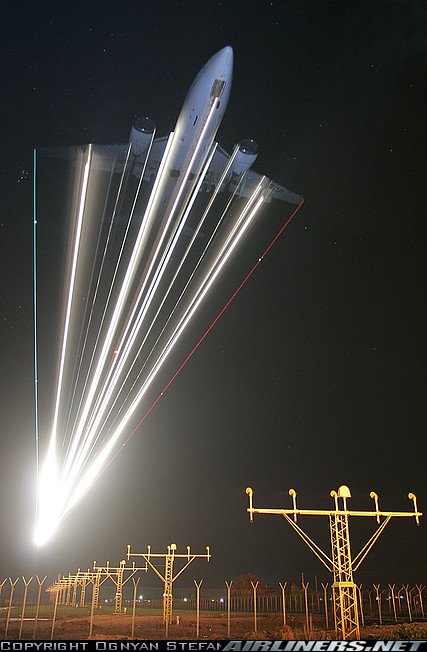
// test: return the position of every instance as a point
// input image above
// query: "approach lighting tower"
(168, 578)
(342, 565)
(115, 574)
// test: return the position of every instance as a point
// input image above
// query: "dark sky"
(315, 376)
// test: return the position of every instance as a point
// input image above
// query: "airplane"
(194, 134)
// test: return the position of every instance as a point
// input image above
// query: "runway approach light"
(341, 562)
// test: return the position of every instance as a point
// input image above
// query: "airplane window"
(217, 88)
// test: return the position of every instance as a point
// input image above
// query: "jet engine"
(141, 134)
(244, 159)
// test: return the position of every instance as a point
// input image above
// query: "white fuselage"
(211, 86)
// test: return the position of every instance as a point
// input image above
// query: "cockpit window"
(217, 88)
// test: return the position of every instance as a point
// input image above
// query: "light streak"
(119, 369)
(207, 331)
(89, 321)
(71, 288)
(36, 366)
(73, 468)
(210, 277)
(92, 473)
(167, 254)
(107, 302)
(73, 495)
(195, 234)
(47, 510)
(121, 359)
(104, 386)
(201, 293)
(119, 258)
(209, 206)
(116, 315)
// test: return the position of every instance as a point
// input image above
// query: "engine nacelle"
(244, 159)
(141, 134)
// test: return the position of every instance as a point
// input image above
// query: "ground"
(212, 627)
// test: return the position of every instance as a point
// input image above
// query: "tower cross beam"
(328, 512)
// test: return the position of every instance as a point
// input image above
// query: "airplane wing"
(107, 156)
(114, 156)
(250, 180)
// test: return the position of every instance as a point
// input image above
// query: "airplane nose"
(226, 56)
(220, 65)
(223, 59)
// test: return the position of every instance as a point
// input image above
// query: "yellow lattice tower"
(116, 574)
(79, 579)
(58, 588)
(52, 590)
(85, 579)
(75, 582)
(342, 565)
(67, 593)
(95, 591)
(344, 590)
(167, 593)
(168, 578)
(119, 587)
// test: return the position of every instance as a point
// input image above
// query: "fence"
(381, 604)
(387, 604)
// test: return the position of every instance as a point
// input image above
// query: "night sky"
(315, 376)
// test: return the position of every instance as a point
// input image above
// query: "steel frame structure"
(168, 578)
(116, 574)
(342, 564)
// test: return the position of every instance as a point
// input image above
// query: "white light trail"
(146, 267)
(89, 320)
(130, 272)
(205, 214)
(128, 339)
(71, 289)
(93, 471)
(119, 258)
(96, 425)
